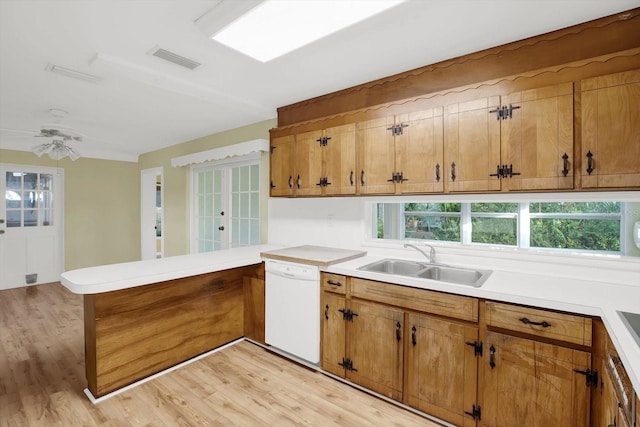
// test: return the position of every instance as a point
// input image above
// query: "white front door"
(31, 225)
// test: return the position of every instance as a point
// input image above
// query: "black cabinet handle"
(273, 185)
(362, 178)
(492, 357)
(499, 172)
(351, 178)
(437, 172)
(326, 311)
(565, 164)
(290, 181)
(332, 283)
(298, 181)
(413, 336)
(398, 334)
(526, 321)
(590, 163)
(453, 171)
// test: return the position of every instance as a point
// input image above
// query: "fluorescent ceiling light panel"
(276, 27)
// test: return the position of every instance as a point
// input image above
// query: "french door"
(31, 225)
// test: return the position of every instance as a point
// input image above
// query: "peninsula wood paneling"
(139, 331)
(615, 33)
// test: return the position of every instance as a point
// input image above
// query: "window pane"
(30, 218)
(432, 228)
(30, 181)
(244, 205)
(47, 217)
(14, 180)
(255, 178)
(432, 207)
(244, 178)
(235, 180)
(255, 205)
(588, 234)
(575, 207)
(14, 218)
(255, 232)
(494, 207)
(13, 199)
(29, 199)
(46, 182)
(499, 231)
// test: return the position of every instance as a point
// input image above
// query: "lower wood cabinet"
(442, 367)
(529, 383)
(472, 362)
(373, 341)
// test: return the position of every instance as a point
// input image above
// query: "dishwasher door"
(292, 309)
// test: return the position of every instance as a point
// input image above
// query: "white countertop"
(106, 278)
(595, 298)
(314, 255)
(540, 290)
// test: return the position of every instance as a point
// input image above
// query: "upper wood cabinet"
(522, 141)
(472, 146)
(611, 130)
(376, 156)
(401, 154)
(537, 139)
(281, 166)
(325, 162)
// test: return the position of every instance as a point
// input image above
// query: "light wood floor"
(42, 380)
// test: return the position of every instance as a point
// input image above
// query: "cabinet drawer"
(456, 306)
(549, 324)
(334, 283)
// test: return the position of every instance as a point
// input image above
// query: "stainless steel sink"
(422, 270)
(396, 266)
(632, 322)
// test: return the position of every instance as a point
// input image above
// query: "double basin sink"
(424, 270)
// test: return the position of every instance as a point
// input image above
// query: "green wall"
(176, 180)
(101, 208)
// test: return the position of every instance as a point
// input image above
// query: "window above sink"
(595, 226)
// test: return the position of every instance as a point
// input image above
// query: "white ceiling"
(144, 103)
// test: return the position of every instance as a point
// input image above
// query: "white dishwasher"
(292, 309)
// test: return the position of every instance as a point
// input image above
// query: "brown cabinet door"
(611, 130)
(281, 166)
(340, 160)
(308, 164)
(376, 155)
(537, 139)
(419, 151)
(472, 146)
(441, 373)
(528, 383)
(333, 329)
(609, 401)
(374, 346)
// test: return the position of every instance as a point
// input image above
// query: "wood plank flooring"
(42, 380)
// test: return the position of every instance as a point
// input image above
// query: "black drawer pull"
(526, 321)
(332, 283)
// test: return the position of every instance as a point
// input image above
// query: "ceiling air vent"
(175, 58)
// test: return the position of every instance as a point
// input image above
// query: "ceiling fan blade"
(18, 131)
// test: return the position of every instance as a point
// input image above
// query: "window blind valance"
(234, 150)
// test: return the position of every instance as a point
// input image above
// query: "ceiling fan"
(59, 136)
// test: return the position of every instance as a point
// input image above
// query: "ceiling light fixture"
(67, 72)
(56, 149)
(276, 27)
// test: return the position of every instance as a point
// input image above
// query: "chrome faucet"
(432, 253)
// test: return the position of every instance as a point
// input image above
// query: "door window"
(29, 199)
